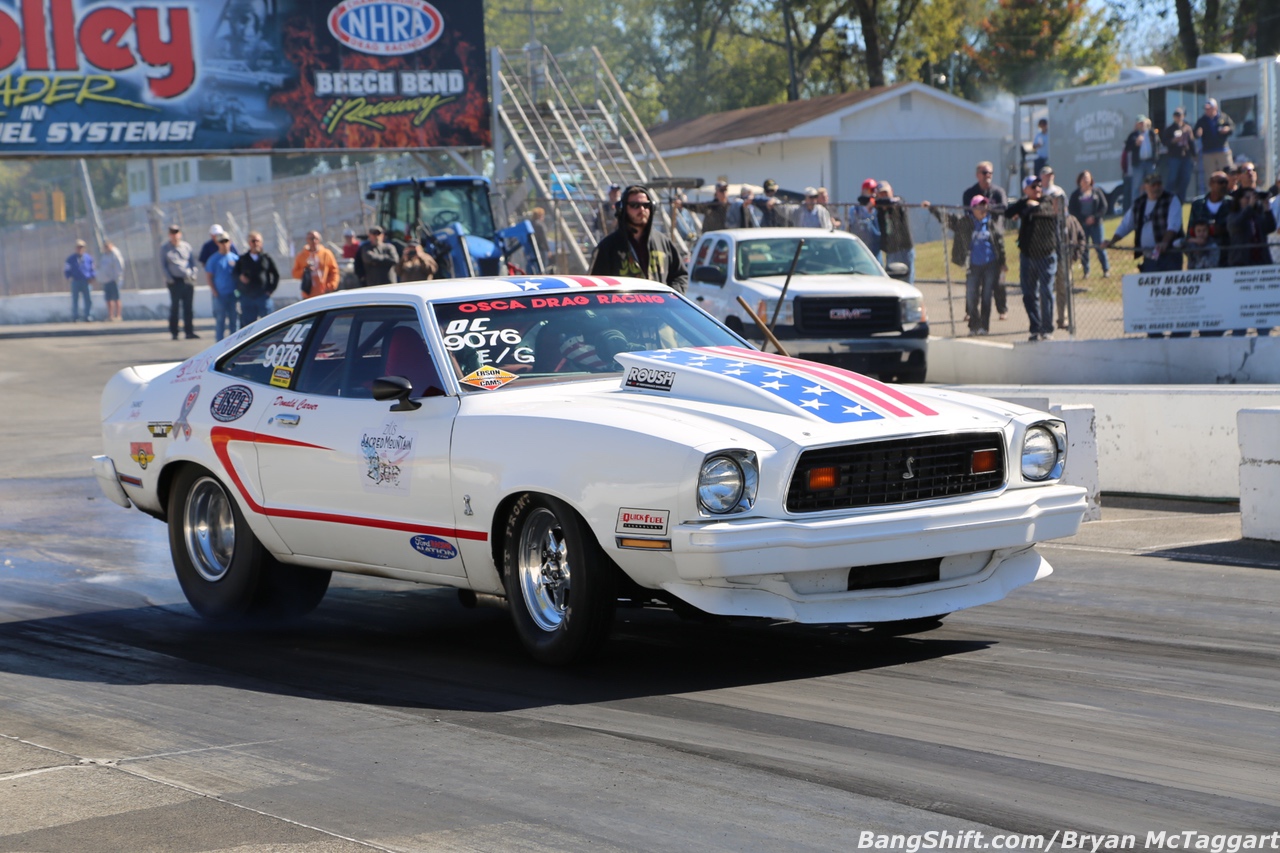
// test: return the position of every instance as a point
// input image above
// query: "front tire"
(561, 587)
(225, 572)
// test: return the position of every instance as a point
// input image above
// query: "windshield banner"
(150, 76)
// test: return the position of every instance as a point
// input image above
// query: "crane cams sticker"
(141, 452)
(388, 452)
(488, 378)
(231, 403)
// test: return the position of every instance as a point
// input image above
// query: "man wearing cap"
(1038, 245)
(79, 270)
(810, 214)
(1140, 154)
(773, 213)
(210, 248)
(862, 218)
(895, 230)
(1156, 219)
(178, 263)
(715, 213)
(997, 201)
(376, 263)
(220, 269)
(350, 244)
(1214, 130)
(607, 216)
(636, 248)
(1179, 154)
(744, 213)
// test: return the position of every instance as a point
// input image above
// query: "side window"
(720, 256)
(353, 348)
(271, 359)
(703, 251)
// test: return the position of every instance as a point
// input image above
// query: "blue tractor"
(452, 218)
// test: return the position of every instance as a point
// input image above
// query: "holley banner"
(118, 77)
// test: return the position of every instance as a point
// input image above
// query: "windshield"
(440, 207)
(550, 338)
(820, 256)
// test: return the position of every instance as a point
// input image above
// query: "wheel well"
(498, 527)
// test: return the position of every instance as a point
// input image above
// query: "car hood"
(833, 285)
(700, 395)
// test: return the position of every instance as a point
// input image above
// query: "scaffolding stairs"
(565, 131)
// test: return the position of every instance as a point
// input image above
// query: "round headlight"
(720, 484)
(1039, 454)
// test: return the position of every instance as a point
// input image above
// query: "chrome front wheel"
(543, 562)
(561, 586)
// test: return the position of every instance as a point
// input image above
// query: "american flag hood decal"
(752, 379)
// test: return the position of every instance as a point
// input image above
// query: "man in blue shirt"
(222, 282)
(79, 270)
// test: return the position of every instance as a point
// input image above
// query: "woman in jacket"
(1088, 205)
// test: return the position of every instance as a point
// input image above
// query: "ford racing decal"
(649, 379)
(651, 522)
(231, 403)
(434, 547)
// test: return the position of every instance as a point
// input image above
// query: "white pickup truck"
(841, 308)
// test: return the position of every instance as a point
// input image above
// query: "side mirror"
(395, 388)
(898, 270)
(709, 275)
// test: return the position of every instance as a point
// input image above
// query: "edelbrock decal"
(434, 547)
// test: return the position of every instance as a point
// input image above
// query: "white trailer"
(1088, 125)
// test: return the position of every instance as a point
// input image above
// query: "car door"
(712, 253)
(346, 478)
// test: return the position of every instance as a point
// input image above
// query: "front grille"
(898, 471)
(845, 316)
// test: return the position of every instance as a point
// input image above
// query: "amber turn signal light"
(823, 478)
(985, 461)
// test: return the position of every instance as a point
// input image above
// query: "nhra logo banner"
(150, 76)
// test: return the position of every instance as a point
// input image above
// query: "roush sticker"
(650, 379)
(488, 378)
(651, 522)
(141, 452)
(160, 429)
(434, 547)
(231, 403)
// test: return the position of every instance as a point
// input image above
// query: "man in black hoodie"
(635, 249)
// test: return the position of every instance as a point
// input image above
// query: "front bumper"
(774, 598)
(747, 547)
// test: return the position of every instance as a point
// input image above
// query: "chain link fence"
(32, 256)
(1087, 291)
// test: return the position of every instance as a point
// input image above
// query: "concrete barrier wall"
(151, 304)
(1260, 473)
(1180, 441)
(1128, 361)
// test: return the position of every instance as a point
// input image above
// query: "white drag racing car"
(566, 443)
